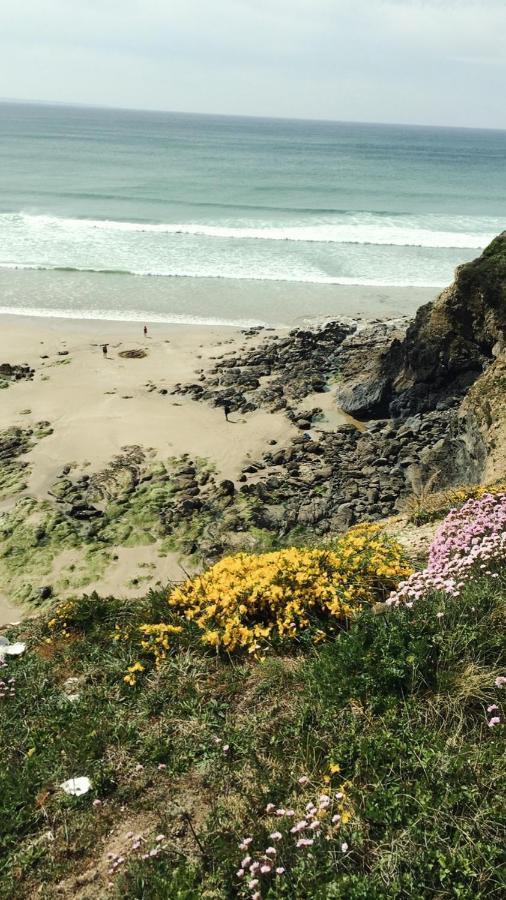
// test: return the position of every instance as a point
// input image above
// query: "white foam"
(211, 274)
(114, 315)
(369, 229)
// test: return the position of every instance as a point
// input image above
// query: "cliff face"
(452, 339)
(450, 361)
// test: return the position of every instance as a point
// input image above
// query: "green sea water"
(234, 219)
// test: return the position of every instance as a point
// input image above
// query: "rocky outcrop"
(274, 375)
(364, 379)
(446, 348)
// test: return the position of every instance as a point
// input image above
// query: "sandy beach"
(98, 404)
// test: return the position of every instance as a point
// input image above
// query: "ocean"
(173, 217)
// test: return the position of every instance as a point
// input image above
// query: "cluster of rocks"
(274, 375)
(331, 480)
(10, 373)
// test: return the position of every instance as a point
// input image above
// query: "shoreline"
(200, 302)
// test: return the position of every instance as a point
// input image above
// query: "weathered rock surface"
(452, 340)
(9, 373)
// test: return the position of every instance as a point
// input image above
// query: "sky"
(439, 62)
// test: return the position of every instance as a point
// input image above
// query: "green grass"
(398, 702)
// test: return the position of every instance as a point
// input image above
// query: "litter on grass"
(76, 787)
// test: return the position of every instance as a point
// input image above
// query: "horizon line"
(82, 105)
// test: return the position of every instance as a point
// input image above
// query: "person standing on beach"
(145, 331)
(226, 410)
(104, 349)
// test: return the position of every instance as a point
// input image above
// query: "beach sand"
(99, 404)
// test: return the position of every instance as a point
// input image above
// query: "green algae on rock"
(14, 443)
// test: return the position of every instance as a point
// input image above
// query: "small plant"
(426, 505)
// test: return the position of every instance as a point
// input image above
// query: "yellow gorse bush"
(244, 601)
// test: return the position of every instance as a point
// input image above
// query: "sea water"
(175, 217)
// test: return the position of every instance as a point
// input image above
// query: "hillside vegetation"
(360, 757)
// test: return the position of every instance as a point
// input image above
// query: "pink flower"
(97, 802)
(344, 847)
(226, 748)
(276, 836)
(240, 873)
(495, 720)
(245, 843)
(253, 883)
(265, 869)
(280, 870)
(270, 808)
(246, 862)
(162, 766)
(336, 819)
(492, 707)
(304, 842)
(271, 851)
(500, 681)
(314, 826)
(303, 779)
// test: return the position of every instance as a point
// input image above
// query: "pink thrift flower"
(245, 843)
(305, 842)
(246, 862)
(495, 720)
(303, 779)
(276, 836)
(265, 869)
(344, 847)
(500, 681)
(240, 873)
(270, 808)
(280, 870)
(492, 707)
(253, 883)
(271, 851)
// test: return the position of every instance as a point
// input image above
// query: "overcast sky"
(437, 62)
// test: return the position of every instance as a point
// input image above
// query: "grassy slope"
(398, 703)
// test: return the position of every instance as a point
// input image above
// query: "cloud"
(382, 60)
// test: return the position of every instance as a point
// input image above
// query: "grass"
(396, 704)
(428, 505)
